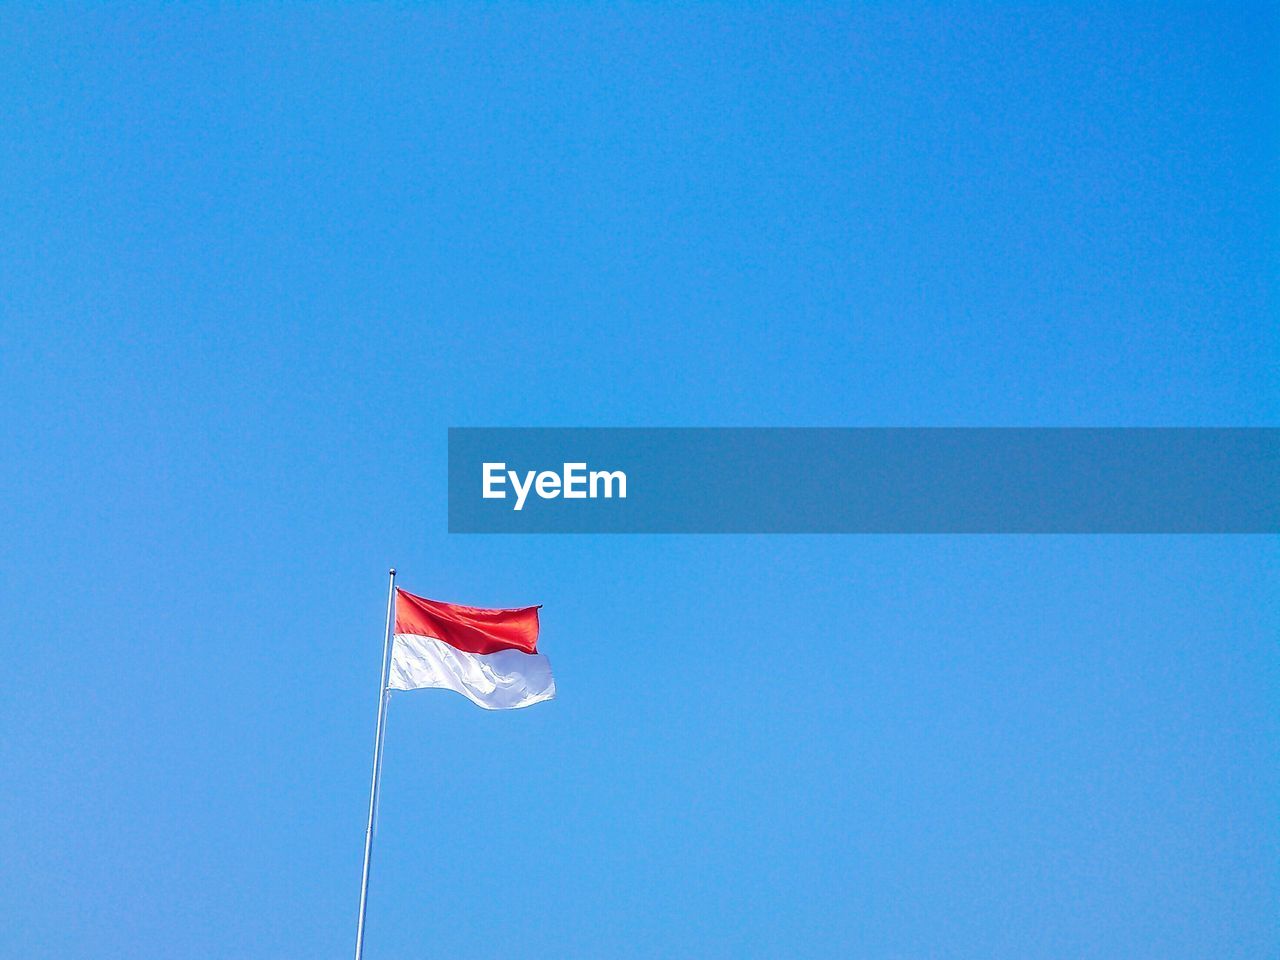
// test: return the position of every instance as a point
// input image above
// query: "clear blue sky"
(255, 261)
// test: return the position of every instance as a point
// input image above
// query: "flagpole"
(377, 765)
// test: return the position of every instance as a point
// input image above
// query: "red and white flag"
(489, 656)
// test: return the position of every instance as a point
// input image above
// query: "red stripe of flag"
(470, 629)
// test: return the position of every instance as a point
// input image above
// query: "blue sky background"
(255, 261)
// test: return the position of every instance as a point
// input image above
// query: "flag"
(489, 656)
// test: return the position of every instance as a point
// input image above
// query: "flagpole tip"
(393, 571)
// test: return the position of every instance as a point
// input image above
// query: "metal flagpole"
(377, 765)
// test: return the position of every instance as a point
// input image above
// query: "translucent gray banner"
(873, 480)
